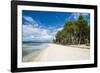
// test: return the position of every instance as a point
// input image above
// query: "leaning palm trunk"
(79, 39)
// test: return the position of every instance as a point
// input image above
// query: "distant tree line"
(74, 32)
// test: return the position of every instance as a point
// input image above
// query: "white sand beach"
(57, 52)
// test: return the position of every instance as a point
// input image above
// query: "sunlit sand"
(57, 52)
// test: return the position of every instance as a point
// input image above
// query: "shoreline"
(55, 52)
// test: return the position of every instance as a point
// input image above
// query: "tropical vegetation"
(74, 32)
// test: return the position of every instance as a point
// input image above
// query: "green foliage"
(74, 32)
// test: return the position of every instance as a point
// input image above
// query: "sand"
(57, 52)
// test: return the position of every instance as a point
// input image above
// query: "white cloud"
(30, 20)
(73, 16)
(31, 33)
(76, 15)
(85, 14)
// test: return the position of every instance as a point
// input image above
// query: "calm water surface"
(32, 47)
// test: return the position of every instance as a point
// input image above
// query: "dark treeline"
(74, 32)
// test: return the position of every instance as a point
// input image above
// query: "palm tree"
(74, 32)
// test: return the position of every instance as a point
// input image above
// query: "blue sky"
(42, 26)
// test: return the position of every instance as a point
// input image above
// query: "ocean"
(32, 47)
